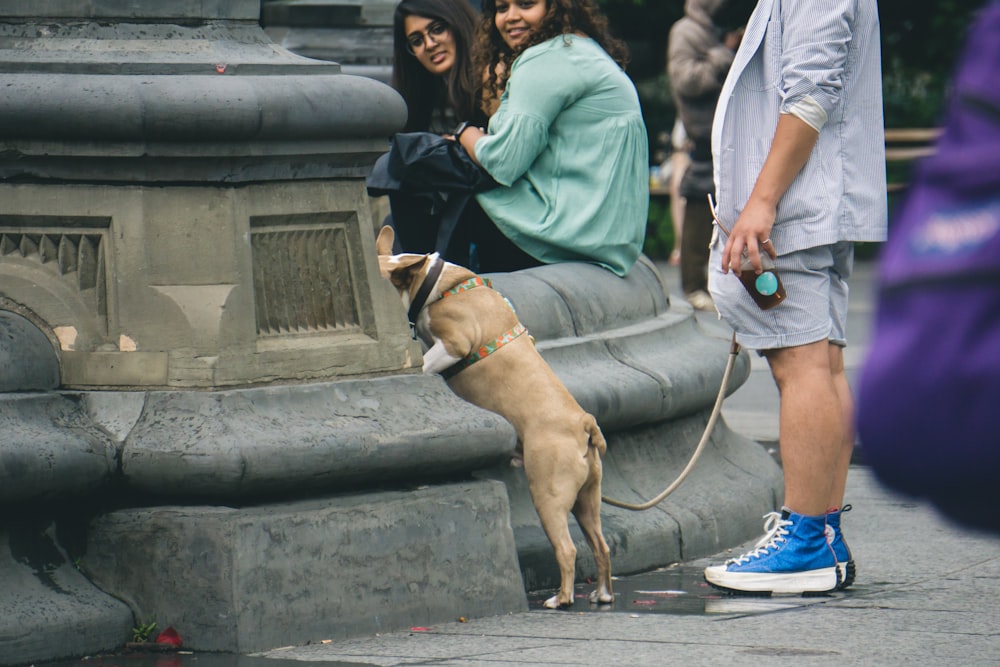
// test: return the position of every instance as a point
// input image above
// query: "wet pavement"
(679, 590)
(927, 593)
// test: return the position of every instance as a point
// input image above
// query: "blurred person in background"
(700, 50)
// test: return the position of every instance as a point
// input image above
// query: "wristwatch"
(462, 127)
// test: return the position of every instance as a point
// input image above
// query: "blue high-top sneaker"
(793, 557)
(845, 562)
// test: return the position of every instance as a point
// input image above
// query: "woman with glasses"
(432, 64)
(433, 71)
(568, 143)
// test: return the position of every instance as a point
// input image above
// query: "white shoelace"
(775, 532)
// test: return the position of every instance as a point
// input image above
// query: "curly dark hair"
(424, 92)
(562, 17)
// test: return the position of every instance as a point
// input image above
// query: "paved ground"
(927, 592)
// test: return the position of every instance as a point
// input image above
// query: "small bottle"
(765, 287)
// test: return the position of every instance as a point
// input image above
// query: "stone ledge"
(255, 578)
(299, 440)
(50, 449)
(146, 9)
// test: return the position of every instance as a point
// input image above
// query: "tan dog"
(561, 444)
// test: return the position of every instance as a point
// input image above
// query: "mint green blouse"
(568, 148)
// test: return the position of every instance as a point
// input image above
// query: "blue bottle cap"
(766, 283)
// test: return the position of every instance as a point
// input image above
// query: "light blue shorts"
(815, 306)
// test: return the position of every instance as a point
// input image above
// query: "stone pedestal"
(340, 567)
(184, 200)
(356, 34)
(201, 361)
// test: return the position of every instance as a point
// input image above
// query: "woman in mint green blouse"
(567, 143)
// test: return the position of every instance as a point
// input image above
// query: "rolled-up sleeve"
(538, 90)
(815, 37)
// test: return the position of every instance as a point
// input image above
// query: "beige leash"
(734, 351)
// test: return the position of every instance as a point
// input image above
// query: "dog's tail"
(597, 440)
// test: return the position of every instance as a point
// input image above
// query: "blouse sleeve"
(541, 85)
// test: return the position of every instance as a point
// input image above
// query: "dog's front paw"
(554, 603)
(437, 359)
(598, 596)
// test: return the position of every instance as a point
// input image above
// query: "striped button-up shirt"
(820, 61)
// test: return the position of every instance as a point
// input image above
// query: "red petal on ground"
(169, 636)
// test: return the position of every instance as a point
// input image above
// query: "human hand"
(749, 236)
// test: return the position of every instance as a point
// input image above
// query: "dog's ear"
(386, 236)
(405, 269)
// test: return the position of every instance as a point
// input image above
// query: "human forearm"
(790, 149)
(791, 146)
(468, 138)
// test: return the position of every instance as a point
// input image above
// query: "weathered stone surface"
(306, 439)
(184, 199)
(130, 9)
(50, 449)
(49, 609)
(28, 361)
(254, 578)
(167, 287)
(355, 34)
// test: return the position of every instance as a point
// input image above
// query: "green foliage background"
(919, 47)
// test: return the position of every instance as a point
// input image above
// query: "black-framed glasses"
(417, 40)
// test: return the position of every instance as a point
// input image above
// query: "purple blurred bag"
(929, 396)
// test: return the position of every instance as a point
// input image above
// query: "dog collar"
(420, 300)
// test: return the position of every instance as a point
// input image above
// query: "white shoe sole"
(812, 581)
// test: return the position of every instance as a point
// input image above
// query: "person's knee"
(789, 364)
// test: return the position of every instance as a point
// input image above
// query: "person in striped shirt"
(799, 170)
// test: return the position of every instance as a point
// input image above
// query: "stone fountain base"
(261, 517)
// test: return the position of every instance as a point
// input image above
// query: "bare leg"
(847, 416)
(680, 160)
(811, 426)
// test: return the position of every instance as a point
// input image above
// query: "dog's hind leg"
(557, 465)
(555, 522)
(588, 514)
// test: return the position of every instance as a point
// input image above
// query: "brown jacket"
(697, 63)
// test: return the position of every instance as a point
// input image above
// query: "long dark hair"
(424, 92)
(562, 17)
